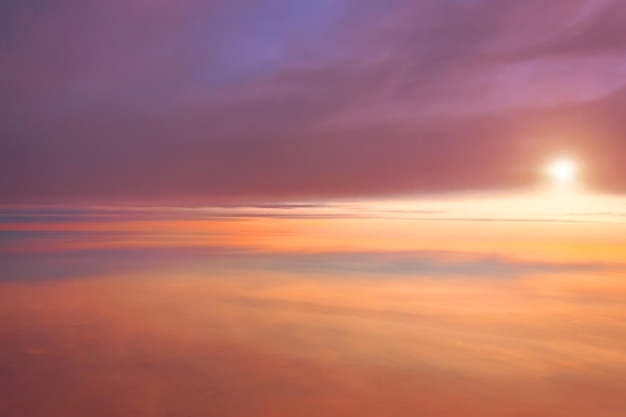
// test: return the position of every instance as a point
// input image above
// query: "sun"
(563, 170)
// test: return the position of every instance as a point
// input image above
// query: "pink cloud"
(192, 102)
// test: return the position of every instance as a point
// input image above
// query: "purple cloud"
(193, 101)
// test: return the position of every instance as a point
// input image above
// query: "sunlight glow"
(563, 170)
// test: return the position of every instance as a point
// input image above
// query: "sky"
(287, 208)
(196, 102)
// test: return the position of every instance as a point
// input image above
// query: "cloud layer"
(279, 345)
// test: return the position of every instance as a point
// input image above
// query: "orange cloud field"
(311, 315)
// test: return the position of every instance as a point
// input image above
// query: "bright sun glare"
(563, 170)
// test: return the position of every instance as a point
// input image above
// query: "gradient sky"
(302, 208)
(200, 101)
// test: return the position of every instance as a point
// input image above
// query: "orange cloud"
(278, 344)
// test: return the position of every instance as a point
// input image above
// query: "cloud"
(54, 254)
(195, 102)
(263, 345)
